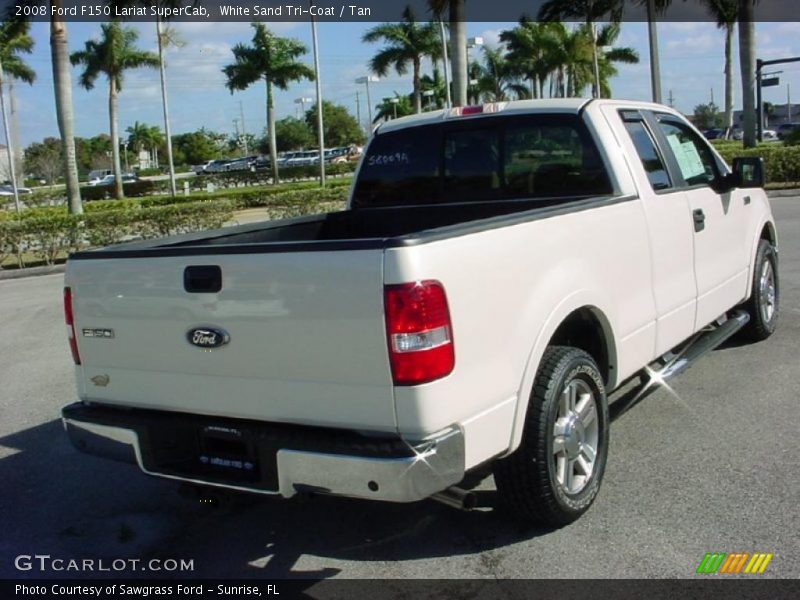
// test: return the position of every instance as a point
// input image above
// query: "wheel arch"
(766, 231)
(578, 322)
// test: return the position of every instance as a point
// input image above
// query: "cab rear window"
(497, 158)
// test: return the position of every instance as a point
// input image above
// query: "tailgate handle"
(202, 279)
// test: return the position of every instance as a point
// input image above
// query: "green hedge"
(48, 233)
(782, 163)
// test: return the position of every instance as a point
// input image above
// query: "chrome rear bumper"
(406, 472)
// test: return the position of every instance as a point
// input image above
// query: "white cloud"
(491, 37)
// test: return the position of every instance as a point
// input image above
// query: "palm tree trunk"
(62, 84)
(747, 62)
(417, 87)
(458, 51)
(15, 141)
(728, 79)
(164, 105)
(112, 117)
(273, 146)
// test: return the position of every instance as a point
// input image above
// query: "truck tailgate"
(306, 334)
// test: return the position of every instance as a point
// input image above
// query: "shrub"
(782, 163)
(49, 233)
(793, 138)
(131, 189)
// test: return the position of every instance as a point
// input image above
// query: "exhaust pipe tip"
(456, 497)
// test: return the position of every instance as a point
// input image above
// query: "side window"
(651, 160)
(550, 160)
(694, 159)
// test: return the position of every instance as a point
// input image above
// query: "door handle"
(202, 279)
(699, 218)
(746, 200)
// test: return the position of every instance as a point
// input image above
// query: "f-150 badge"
(208, 337)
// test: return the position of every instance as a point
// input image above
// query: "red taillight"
(471, 110)
(419, 332)
(68, 317)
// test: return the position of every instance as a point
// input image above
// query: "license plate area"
(212, 453)
(228, 451)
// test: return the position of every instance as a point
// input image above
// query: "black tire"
(762, 322)
(528, 479)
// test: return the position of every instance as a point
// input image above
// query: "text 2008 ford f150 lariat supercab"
(498, 271)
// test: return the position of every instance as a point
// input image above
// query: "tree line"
(537, 58)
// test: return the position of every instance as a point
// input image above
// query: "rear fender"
(578, 300)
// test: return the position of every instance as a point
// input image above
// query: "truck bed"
(364, 228)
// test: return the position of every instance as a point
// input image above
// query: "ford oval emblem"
(208, 337)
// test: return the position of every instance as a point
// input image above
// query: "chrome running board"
(676, 362)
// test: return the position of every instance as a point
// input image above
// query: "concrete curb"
(783, 193)
(31, 272)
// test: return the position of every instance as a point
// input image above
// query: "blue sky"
(691, 54)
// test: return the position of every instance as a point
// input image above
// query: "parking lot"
(708, 468)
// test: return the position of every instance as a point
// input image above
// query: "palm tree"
(145, 137)
(497, 78)
(726, 12)
(534, 51)
(15, 39)
(610, 55)
(62, 86)
(112, 55)
(590, 11)
(388, 110)
(406, 43)
(458, 44)
(271, 59)
(747, 64)
(434, 83)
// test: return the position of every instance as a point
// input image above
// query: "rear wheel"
(555, 474)
(763, 305)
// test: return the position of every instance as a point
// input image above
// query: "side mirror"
(748, 172)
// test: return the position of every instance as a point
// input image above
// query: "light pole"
(366, 80)
(428, 94)
(320, 130)
(302, 103)
(473, 42)
(124, 144)
(165, 108)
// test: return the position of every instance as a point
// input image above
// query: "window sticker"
(689, 161)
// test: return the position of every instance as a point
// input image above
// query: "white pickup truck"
(499, 270)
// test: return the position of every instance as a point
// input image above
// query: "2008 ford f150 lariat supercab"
(498, 271)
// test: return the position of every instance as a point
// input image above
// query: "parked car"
(498, 272)
(8, 190)
(245, 163)
(714, 134)
(201, 168)
(217, 166)
(784, 129)
(126, 178)
(96, 176)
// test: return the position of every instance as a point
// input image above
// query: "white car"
(498, 272)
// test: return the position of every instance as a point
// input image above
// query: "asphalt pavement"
(709, 467)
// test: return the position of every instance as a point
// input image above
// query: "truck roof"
(545, 105)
